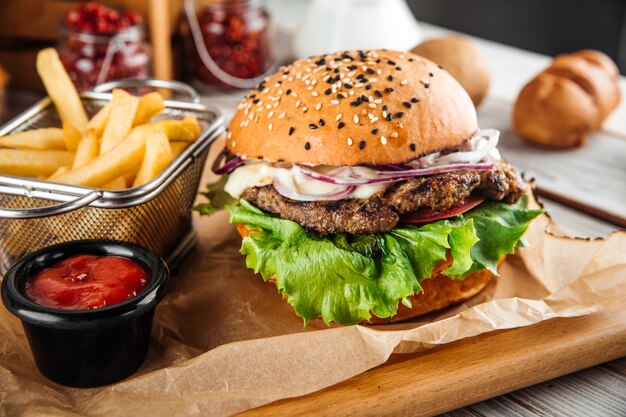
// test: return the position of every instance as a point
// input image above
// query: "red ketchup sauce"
(85, 282)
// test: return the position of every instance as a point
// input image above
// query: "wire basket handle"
(172, 85)
(53, 210)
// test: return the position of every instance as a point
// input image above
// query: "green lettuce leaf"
(346, 278)
(218, 198)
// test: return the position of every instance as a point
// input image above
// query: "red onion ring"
(229, 166)
(394, 176)
(338, 193)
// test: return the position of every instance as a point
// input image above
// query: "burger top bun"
(353, 108)
(461, 59)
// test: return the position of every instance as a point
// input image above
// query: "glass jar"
(92, 58)
(232, 42)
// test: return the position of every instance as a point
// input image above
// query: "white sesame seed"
(310, 88)
(358, 85)
(378, 101)
(364, 112)
(242, 124)
(270, 114)
(404, 82)
(351, 74)
(326, 78)
(266, 90)
(394, 134)
(246, 111)
(298, 103)
(351, 93)
(229, 134)
(294, 94)
(314, 82)
(401, 125)
(275, 104)
(246, 122)
(270, 127)
(315, 94)
(339, 116)
(350, 141)
(370, 115)
(374, 120)
(364, 67)
(284, 77)
(290, 79)
(342, 75)
(383, 140)
(379, 71)
(308, 69)
(318, 106)
(276, 85)
(334, 101)
(401, 56)
(423, 81)
(305, 109)
(338, 84)
(308, 82)
(372, 105)
(280, 92)
(282, 115)
(373, 80)
(268, 106)
(260, 103)
(356, 119)
(299, 76)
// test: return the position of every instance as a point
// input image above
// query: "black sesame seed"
(362, 55)
(348, 86)
(252, 95)
(364, 98)
(362, 144)
(399, 114)
(336, 70)
(390, 62)
(307, 146)
(356, 102)
(378, 61)
(390, 78)
(440, 67)
(328, 91)
(412, 146)
(388, 90)
(411, 60)
(312, 126)
(430, 74)
(340, 125)
(374, 131)
(351, 67)
(398, 68)
(339, 95)
(389, 117)
(364, 80)
(406, 104)
(426, 85)
(368, 87)
(415, 100)
(322, 122)
(370, 71)
(255, 101)
(288, 91)
(378, 93)
(320, 62)
(291, 129)
(385, 107)
(358, 77)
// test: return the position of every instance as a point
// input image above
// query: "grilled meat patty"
(381, 212)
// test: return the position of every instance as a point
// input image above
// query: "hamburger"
(364, 190)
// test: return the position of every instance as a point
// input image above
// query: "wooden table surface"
(597, 391)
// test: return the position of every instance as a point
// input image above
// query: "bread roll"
(565, 102)
(461, 59)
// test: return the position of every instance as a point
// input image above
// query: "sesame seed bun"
(353, 108)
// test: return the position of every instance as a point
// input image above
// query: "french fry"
(61, 89)
(117, 184)
(46, 138)
(33, 162)
(186, 129)
(178, 147)
(158, 155)
(87, 149)
(112, 164)
(56, 173)
(150, 105)
(99, 121)
(120, 121)
(129, 177)
(71, 136)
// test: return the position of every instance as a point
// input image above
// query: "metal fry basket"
(157, 215)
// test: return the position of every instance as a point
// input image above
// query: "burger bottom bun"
(439, 291)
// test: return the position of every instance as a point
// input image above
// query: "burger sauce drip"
(86, 282)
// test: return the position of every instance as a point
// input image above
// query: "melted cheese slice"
(259, 173)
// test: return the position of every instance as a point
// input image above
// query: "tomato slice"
(428, 215)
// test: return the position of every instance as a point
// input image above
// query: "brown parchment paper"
(224, 341)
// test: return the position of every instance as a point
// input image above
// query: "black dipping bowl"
(87, 348)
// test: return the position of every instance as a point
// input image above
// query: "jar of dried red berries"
(98, 44)
(232, 46)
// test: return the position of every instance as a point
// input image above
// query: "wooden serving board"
(468, 371)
